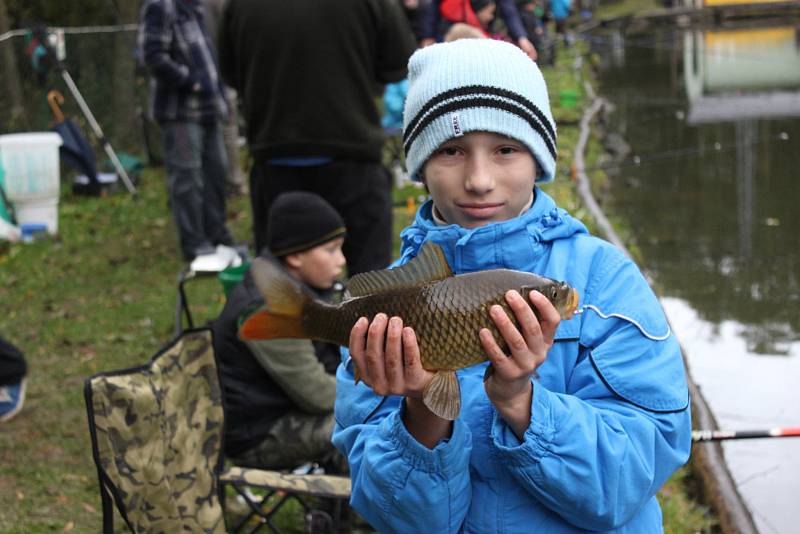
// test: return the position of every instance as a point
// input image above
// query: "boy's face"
(320, 266)
(486, 14)
(480, 178)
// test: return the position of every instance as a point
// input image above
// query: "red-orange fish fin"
(442, 395)
(264, 325)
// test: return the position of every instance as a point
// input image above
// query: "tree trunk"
(16, 108)
(124, 97)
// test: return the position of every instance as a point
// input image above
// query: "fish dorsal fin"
(430, 265)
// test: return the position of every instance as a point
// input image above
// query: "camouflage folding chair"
(157, 433)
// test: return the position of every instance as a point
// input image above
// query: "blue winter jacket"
(610, 412)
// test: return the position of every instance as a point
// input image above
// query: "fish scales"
(446, 315)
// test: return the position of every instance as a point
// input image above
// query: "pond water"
(706, 144)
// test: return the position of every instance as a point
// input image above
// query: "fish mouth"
(572, 305)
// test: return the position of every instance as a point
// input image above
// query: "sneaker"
(11, 399)
(208, 263)
(230, 255)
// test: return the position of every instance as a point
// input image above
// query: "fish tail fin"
(442, 395)
(265, 325)
(284, 302)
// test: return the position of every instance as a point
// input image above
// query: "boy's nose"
(479, 178)
(340, 260)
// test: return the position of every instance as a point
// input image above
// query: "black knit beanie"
(299, 220)
(477, 5)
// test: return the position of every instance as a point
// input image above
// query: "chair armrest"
(330, 486)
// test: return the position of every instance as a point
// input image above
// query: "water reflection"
(739, 74)
(710, 194)
(713, 199)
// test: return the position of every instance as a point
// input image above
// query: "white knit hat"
(473, 85)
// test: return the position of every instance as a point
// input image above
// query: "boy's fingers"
(529, 326)
(549, 317)
(393, 361)
(501, 362)
(516, 342)
(416, 378)
(411, 360)
(357, 346)
(374, 353)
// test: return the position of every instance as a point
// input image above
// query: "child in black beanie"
(279, 393)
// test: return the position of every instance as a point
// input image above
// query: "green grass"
(101, 296)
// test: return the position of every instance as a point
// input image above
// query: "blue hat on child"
(473, 85)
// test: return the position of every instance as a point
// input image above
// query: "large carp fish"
(446, 312)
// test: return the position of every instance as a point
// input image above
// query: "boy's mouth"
(480, 210)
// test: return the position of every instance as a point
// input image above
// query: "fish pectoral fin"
(442, 395)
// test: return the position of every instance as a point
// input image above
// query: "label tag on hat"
(455, 121)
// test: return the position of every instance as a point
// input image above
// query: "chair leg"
(255, 508)
(182, 304)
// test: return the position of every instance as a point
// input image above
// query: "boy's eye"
(508, 149)
(448, 151)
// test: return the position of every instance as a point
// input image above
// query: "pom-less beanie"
(299, 220)
(473, 85)
(477, 5)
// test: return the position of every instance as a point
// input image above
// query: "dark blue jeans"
(197, 168)
(360, 191)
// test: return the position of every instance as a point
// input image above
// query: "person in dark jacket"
(13, 370)
(237, 180)
(279, 393)
(434, 26)
(308, 73)
(187, 100)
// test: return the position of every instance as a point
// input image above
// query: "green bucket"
(568, 98)
(231, 276)
(4, 214)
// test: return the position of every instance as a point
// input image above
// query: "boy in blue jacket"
(583, 420)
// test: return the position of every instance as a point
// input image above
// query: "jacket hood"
(507, 244)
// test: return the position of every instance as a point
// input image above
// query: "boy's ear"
(292, 260)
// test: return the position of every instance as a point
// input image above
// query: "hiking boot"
(11, 399)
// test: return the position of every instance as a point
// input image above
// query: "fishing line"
(677, 153)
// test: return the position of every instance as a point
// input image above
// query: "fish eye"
(554, 292)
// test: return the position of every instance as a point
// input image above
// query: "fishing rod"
(720, 435)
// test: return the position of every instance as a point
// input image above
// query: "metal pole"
(98, 132)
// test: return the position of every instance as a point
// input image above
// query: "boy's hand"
(527, 46)
(387, 356)
(509, 387)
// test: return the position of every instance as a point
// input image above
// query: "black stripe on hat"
(468, 90)
(485, 102)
